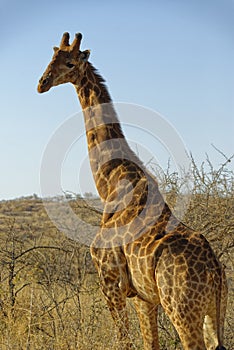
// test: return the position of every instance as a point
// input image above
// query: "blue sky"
(175, 57)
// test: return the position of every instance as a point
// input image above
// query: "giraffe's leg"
(111, 266)
(210, 331)
(189, 329)
(186, 314)
(147, 314)
(120, 317)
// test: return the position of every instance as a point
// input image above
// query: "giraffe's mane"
(101, 82)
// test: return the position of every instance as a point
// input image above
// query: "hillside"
(49, 295)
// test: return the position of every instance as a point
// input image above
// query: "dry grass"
(49, 292)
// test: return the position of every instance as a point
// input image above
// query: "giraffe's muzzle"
(44, 83)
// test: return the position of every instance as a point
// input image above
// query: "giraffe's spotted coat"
(141, 250)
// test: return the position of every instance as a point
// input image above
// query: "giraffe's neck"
(106, 143)
(101, 121)
(91, 88)
(117, 171)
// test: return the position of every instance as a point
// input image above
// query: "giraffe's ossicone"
(141, 251)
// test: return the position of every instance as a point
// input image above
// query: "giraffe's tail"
(221, 302)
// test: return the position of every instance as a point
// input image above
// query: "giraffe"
(141, 251)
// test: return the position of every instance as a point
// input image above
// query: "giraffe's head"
(67, 64)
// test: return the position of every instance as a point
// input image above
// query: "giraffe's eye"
(69, 65)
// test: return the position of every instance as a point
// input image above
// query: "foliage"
(49, 291)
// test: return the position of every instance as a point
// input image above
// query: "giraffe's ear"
(55, 48)
(84, 55)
